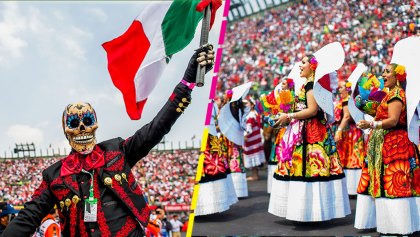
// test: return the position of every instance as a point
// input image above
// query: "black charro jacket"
(113, 180)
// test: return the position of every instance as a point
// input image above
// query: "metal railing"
(58, 152)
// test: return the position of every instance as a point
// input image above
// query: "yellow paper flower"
(400, 70)
(348, 84)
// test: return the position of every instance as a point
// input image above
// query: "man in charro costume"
(93, 187)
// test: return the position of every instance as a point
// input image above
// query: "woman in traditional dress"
(217, 191)
(277, 101)
(235, 152)
(349, 139)
(309, 183)
(253, 152)
(389, 188)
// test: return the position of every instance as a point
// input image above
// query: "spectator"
(7, 213)
(176, 226)
(50, 226)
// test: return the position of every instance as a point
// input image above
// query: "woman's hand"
(338, 136)
(363, 124)
(282, 120)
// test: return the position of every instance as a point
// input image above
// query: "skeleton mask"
(80, 124)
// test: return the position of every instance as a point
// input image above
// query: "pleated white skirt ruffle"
(240, 184)
(389, 216)
(254, 160)
(353, 178)
(309, 201)
(215, 196)
(270, 171)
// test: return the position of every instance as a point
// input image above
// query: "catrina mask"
(79, 124)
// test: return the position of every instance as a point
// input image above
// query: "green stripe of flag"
(179, 24)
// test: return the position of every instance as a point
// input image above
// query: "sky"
(51, 55)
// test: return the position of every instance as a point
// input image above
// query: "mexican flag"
(137, 58)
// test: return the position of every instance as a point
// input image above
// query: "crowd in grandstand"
(21, 177)
(166, 177)
(264, 47)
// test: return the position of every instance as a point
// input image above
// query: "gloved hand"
(203, 56)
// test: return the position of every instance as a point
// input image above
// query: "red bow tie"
(75, 162)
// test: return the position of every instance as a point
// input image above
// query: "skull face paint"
(79, 124)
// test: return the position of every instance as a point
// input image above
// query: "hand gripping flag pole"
(204, 39)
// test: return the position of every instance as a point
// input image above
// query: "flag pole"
(204, 39)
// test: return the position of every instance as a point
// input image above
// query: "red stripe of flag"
(125, 55)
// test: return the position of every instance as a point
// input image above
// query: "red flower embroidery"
(397, 180)
(234, 165)
(397, 146)
(364, 180)
(335, 166)
(316, 131)
(213, 164)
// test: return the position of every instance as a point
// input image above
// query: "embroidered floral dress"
(237, 168)
(309, 182)
(391, 168)
(234, 157)
(389, 188)
(216, 187)
(215, 164)
(274, 103)
(351, 146)
(308, 151)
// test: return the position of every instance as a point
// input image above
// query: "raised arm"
(139, 145)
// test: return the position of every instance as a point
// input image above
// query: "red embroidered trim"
(117, 166)
(82, 231)
(131, 181)
(62, 220)
(61, 193)
(143, 217)
(103, 227)
(172, 97)
(110, 155)
(73, 219)
(130, 225)
(42, 187)
(56, 181)
(69, 180)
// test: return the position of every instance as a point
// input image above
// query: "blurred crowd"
(166, 177)
(21, 177)
(264, 47)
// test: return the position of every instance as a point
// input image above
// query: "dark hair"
(310, 56)
(394, 65)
